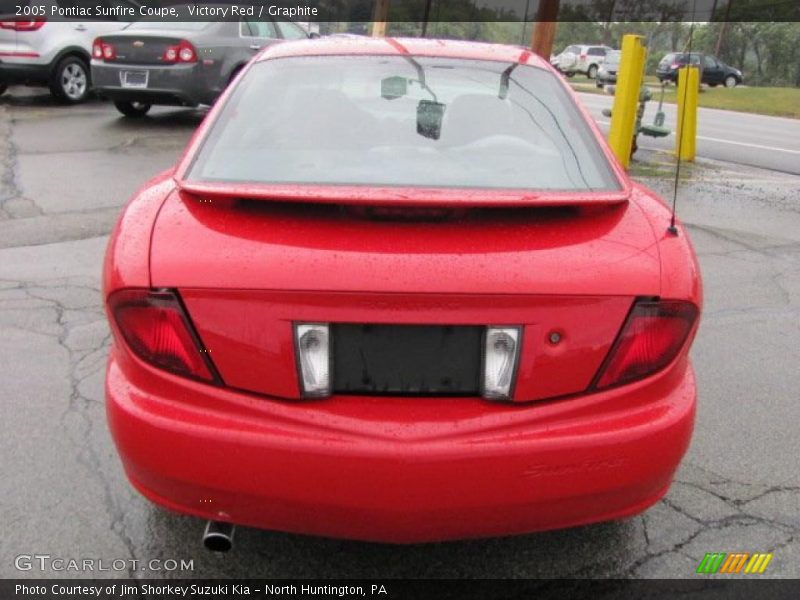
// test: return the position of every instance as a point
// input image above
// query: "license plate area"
(407, 360)
(133, 79)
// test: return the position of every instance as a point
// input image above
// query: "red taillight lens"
(187, 54)
(102, 50)
(674, 66)
(23, 25)
(158, 331)
(650, 339)
(181, 52)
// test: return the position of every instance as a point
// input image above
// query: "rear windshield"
(372, 120)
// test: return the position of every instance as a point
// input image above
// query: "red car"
(400, 290)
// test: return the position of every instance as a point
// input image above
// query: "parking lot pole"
(686, 133)
(544, 29)
(626, 98)
(379, 16)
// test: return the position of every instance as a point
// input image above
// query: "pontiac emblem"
(138, 44)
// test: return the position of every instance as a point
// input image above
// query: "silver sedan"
(178, 64)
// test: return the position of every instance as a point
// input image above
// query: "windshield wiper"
(504, 78)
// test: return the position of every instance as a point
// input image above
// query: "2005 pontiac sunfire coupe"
(400, 290)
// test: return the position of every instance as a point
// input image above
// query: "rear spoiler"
(400, 196)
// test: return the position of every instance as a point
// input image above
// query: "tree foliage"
(768, 53)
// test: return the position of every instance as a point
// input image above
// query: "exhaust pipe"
(218, 536)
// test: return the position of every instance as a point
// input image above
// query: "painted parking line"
(748, 145)
(721, 141)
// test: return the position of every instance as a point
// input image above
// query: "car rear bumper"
(668, 75)
(606, 77)
(18, 71)
(398, 469)
(175, 85)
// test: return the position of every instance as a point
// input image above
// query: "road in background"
(742, 138)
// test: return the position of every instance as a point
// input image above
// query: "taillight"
(103, 50)
(156, 328)
(183, 51)
(187, 54)
(675, 66)
(651, 338)
(23, 25)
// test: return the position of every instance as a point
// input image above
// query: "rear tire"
(71, 80)
(133, 110)
(592, 72)
(570, 73)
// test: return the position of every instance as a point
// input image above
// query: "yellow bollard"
(686, 131)
(626, 98)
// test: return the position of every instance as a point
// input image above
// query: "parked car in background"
(54, 54)
(713, 72)
(179, 64)
(579, 58)
(607, 73)
(354, 310)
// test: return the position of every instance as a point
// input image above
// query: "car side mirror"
(394, 87)
(430, 115)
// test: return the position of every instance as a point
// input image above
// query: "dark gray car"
(178, 64)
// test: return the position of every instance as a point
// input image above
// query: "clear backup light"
(313, 352)
(500, 362)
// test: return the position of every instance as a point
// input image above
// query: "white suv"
(578, 58)
(49, 53)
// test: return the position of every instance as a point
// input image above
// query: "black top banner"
(606, 11)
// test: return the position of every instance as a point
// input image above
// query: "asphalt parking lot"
(64, 174)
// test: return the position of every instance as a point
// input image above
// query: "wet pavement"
(64, 174)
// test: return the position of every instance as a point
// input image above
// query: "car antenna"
(672, 229)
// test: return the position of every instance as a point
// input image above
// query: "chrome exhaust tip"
(218, 536)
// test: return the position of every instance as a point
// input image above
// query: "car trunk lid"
(248, 271)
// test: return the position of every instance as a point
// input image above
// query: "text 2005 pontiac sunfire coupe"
(400, 290)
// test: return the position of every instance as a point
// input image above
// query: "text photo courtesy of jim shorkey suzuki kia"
(193, 590)
(335, 292)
